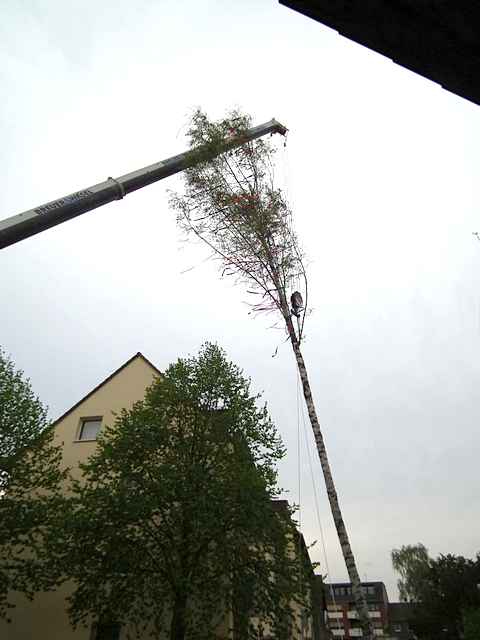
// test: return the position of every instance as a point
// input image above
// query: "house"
(76, 431)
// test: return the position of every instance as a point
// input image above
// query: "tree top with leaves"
(30, 487)
(232, 204)
(412, 563)
(22, 416)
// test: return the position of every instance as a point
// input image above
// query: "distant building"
(342, 615)
(391, 621)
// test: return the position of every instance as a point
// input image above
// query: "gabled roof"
(112, 375)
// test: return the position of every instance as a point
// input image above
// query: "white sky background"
(381, 166)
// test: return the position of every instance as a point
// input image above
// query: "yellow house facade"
(45, 618)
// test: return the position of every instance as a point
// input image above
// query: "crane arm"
(33, 221)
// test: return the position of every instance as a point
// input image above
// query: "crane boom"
(33, 221)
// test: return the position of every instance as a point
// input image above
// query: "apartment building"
(342, 615)
(391, 620)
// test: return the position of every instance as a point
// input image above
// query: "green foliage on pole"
(232, 204)
(173, 522)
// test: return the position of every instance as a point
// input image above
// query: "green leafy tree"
(444, 589)
(231, 203)
(412, 562)
(22, 417)
(30, 480)
(173, 522)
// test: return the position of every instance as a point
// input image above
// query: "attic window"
(89, 428)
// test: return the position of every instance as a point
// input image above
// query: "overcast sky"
(381, 167)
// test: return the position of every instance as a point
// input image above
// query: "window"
(397, 627)
(373, 607)
(335, 620)
(371, 591)
(89, 428)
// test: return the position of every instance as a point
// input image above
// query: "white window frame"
(83, 422)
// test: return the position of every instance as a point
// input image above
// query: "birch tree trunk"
(360, 601)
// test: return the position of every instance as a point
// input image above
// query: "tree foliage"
(231, 203)
(412, 563)
(22, 416)
(30, 481)
(444, 589)
(173, 522)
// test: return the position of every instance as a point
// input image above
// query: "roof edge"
(139, 354)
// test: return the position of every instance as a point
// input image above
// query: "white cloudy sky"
(381, 170)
